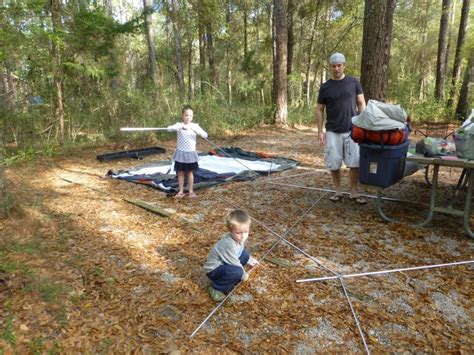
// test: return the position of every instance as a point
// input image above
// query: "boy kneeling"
(225, 263)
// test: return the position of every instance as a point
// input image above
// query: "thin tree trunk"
(422, 68)
(290, 43)
(442, 50)
(246, 45)
(457, 56)
(281, 82)
(2, 180)
(228, 56)
(109, 8)
(310, 56)
(190, 70)
(4, 91)
(467, 88)
(211, 58)
(450, 30)
(376, 44)
(202, 59)
(274, 60)
(151, 70)
(178, 50)
(55, 8)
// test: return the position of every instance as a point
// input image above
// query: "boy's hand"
(244, 277)
(252, 261)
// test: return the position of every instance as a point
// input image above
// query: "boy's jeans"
(225, 277)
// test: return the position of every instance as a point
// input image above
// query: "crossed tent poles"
(282, 238)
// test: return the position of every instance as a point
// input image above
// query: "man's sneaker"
(216, 295)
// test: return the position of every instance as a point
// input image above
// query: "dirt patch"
(82, 271)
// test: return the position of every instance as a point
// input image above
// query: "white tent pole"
(269, 250)
(139, 129)
(354, 314)
(385, 271)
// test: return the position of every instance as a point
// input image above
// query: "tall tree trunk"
(211, 58)
(281, 82)
(108, 7)
(457, 56)
(3, 211)
(310, 55)
(290, 42)
(190, 70)
(442, 50)
(423, 68)
(55, 8)
(376, 44)
(177, 46)
(246, 43)
(450, 31)
(228, 55)
(3, 111)
(151, 70)
(4, 91)
(467, 90)
(274, 46)
(202, 58)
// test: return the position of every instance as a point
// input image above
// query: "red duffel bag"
(390, 137)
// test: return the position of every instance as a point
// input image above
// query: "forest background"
(75, 71)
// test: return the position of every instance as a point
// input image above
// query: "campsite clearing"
(81, 270)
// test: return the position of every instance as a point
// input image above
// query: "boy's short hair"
(187, 107)
(236, 218)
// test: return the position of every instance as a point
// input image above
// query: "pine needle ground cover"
(85, 271)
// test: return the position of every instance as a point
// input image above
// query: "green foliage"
(102, 64)
(8, 203)
(8, 333)
(28, 154)
(49, 290)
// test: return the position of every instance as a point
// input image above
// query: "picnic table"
(466, 179)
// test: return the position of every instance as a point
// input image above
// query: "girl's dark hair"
(186, 107)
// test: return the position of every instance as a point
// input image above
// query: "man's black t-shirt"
(339, 97)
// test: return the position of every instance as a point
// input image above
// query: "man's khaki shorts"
(340, 147)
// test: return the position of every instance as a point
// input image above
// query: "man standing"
(342, 98)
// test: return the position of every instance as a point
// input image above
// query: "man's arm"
(360, 103)
(319, 122)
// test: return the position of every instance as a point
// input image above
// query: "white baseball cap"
(337, 58)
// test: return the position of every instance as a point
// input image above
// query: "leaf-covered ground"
(84, 271)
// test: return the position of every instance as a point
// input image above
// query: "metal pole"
(293, 176)
(288, 242)
(344, 193)
(266, 253)
(385, 271)
(139, 129)
(354, 315)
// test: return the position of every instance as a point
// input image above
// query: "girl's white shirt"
(186, 138)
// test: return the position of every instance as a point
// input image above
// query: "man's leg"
(354, 176)
(333, 154)
(351, 158)
(336, 181)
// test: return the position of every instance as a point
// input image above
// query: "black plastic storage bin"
(134, 154)
(382, 165)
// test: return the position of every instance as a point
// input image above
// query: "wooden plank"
(148, 207)
(278, 261)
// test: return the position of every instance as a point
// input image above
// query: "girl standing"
(186, 158)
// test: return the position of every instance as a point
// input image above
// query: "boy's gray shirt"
(226, 251)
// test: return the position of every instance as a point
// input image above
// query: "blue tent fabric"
(167, 181)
